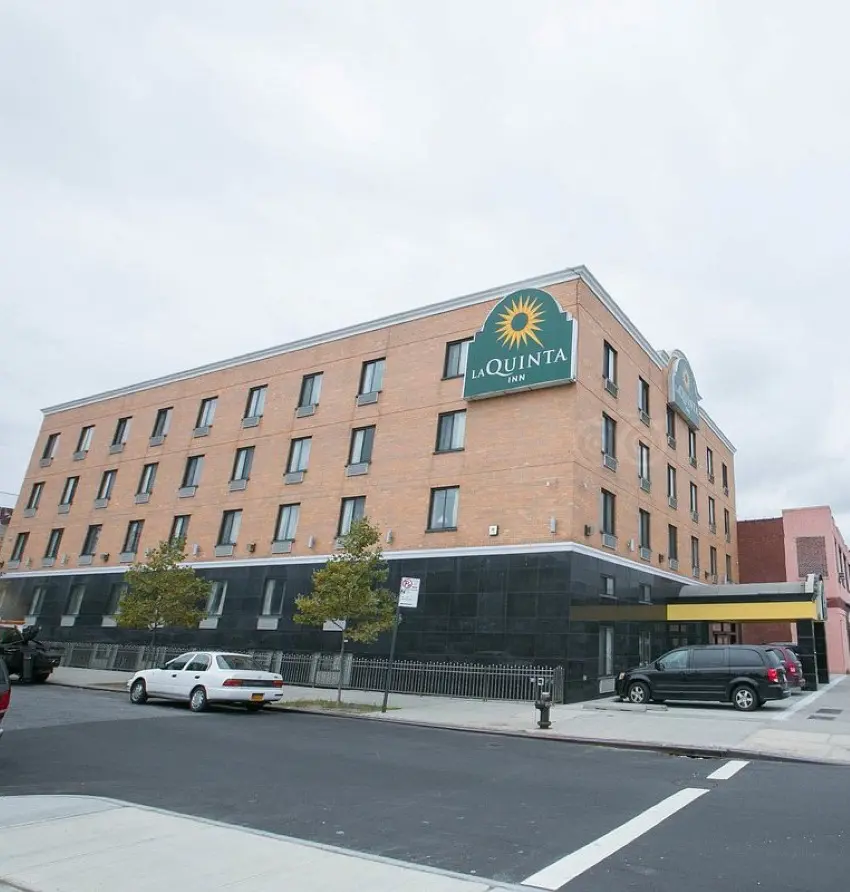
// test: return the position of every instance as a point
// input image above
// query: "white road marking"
(806, 700)
(730, 769)
(568, 868)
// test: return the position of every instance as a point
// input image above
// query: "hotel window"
(712, 561)
(645, 593)
(37, 603)
(695, 555)
(147, 479)
(671, 427)
(215, 599)
(69, 491)
(19, 547)
(671, 486)
(643, 465)
(694, 503)
(50, 448)
(692, 446)
(74, 604)
(709, 463)
(645, 645)
(712, 515)
(606, 650)
(180, 528)
(609, 436)
(644, 530)
(724, 472)
(643, 400)
(274, 595)
(54, 540)
(451, 431)
(311, 391)
(256, 403)
(228, 532)
(442, 513)
(351, 510)
(91, 540)
(729, 568)
(608, 588)
(299, 455)
(35, 497)
(360, 449)
(242, 464)
(206, 413)
(122, 431)
(116, 595)
(609, 368)
(287, 523)
(192, 473)
(456, 355)
(727, 524)
(107, 483)
(609, 513)
(84, 442)
(161, 424)
(372, 377)
(131, 539)
(672, 543)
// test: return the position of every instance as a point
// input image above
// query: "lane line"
(807, 700)
(730, 769)
(568, 868)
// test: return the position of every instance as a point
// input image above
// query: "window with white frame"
(192, 473)
(35, 496)
(91, 540)
(644, 529)
(122, 431)
(75, 600)
(39, 593)
(242, 463)
(54, 540)
(228, 533)
(206, 411)
(133, 536)
(180, 528)
(215, 599)
(274, 595)
(311, 390)
(107, 483)
(147, 479)
(443, 510)
(360, 448)
(456, 354)
(609, 436)
(451, 431)
(69, 491)
(162, 422)
(643, 461)
(372, 376)
(86, 435)
(299, 455)
(287, 523)
(351, 510)
(256, 403)
(19, 547)
(606, 651)
(671, 482)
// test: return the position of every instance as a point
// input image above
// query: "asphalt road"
(492, 806)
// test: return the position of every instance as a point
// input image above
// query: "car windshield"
(236, 661)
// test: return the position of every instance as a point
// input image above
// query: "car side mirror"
(659, 665)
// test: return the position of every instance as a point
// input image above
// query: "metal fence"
(476, 681)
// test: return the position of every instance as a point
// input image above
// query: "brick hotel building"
(548, 475)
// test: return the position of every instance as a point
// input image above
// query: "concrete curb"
(692, 752)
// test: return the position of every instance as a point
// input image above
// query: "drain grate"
(826, 710)
(822, 718)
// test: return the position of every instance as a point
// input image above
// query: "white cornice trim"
(405, 555)
(569, 274)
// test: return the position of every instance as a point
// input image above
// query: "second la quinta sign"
(526, 342)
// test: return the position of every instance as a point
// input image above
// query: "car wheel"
(254, 707)
(198, 700)
(638, 693)
(744, 698)
(138, 693)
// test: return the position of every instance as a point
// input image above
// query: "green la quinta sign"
(527, 342)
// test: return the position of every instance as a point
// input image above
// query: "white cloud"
(162, 165)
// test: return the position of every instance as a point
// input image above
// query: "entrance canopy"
(754, 602)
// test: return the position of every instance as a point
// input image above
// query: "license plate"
(256, 696)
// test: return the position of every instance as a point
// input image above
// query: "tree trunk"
(153, 645)
(341, 658)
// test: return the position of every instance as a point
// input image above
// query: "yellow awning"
(741, 611)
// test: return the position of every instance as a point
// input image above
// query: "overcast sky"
(185, 181)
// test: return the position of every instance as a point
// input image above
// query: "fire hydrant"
(544, 705)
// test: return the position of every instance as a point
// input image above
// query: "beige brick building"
(591, 443)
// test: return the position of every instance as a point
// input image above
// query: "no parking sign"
(408, 594)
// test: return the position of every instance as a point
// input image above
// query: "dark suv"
(745, 675)
(5, 693)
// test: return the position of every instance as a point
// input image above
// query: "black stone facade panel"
(541, 609)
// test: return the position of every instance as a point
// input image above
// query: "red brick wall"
(761, 550)
(764, 633)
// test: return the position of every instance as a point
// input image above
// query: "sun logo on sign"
(520, 322)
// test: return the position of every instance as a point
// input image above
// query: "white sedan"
(204, 677)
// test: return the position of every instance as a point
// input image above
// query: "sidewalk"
(83, 844)
(807, 727)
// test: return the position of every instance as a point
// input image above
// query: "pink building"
(788, 548)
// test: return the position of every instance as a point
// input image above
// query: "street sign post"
(408, 596)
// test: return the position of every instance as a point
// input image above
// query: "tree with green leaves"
(348, 590)
(162, 593)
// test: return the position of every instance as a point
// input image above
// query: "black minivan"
(745, 675)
